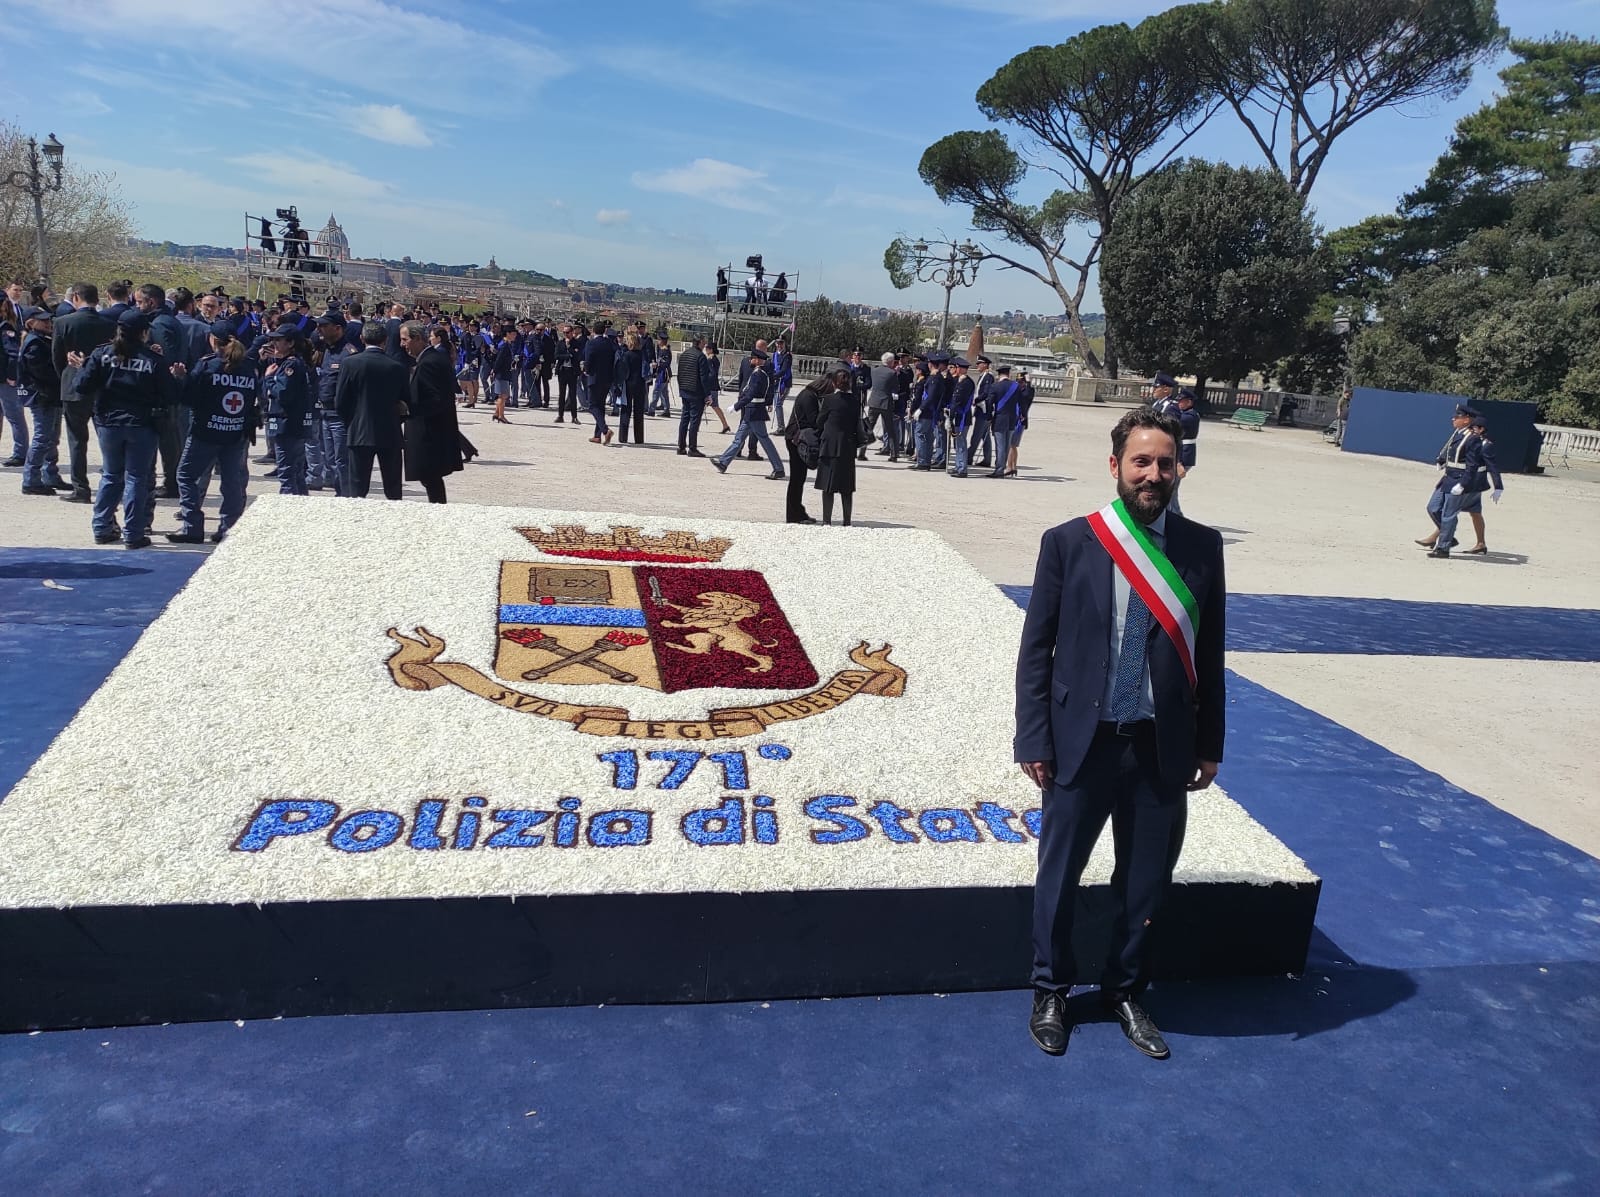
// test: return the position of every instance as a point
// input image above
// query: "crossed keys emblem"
(613, 641)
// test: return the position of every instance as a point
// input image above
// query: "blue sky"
(628, 142)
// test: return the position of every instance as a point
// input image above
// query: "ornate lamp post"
(40, 177)
(957, 268)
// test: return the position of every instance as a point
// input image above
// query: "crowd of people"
(176, 388)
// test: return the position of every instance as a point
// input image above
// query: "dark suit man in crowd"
(1120, 712)
(391, 344)
(81, 331)
(371, 400)
(432, 437)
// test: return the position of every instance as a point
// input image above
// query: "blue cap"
(962, 362)
(939, 356)
(221, 329)
(1186, 393)
(1463, 409)
(133, 320)
(1164, 380)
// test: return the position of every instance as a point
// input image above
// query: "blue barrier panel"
(1415, 425)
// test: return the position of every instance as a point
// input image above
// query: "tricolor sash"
(1151, 576)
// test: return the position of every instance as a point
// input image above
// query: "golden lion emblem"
(717, 617)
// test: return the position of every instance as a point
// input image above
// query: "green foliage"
(1298, 74)
(1546, 124)
(1488, 283)
(1211, 269)
(1513, 312)
(1104, 104)
(825, 327)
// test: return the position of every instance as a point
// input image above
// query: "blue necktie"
(1128, 689)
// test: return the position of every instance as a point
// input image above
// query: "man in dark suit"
(1120, 711)
(392, 345)
(84, 329)
(371, 400)
(432, 437)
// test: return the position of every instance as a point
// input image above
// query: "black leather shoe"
(181, 538)
(108, 538)
(696, 453)
(776, 477)
(683, 452)
(1048, 1023)
(1141, 1032)
(216, 537)
(59, 484)
(143, 542)
(38, 490)
(78, 496)
(1442, 554)
(12, 462)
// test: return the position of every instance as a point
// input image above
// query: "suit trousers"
(1121, 781)
(689, 422)
(390, 468)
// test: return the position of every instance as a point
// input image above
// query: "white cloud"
(723, 183)
(391, 123)
(299, 173)
(613, 216)
(371, 45)
(877, 201)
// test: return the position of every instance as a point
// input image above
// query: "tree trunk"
(1111, 352)
(1202, 402)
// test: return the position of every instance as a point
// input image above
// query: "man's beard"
(1145, 501)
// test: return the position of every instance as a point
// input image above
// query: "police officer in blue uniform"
(963, 393)
(1489, 480)
(286, 393)
(221, 393)
(1004, 421)
(128, 386)
(336, 349)
(1189, 420)
(1462, 459)
(929, 412)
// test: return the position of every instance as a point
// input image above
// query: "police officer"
(1189, 419)
(1462, 460)
(286, 394)
(963, 392)
(983, 416)
(337, 348)
(221, 395)
(129, 387)
(39, 388)
(1004, 422)
(929, 413)
(1162, 387)
(1489, 477)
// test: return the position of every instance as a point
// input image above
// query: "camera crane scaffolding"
(285, 260)
(754, 308)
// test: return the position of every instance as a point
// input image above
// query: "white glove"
(1458, 489)
(1496, 495)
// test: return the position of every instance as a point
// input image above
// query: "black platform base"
(108, 966)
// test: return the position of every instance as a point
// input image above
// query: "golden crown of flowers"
(627, 544)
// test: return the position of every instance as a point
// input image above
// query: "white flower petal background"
(265, 680)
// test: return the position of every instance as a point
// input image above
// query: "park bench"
(1248, 417)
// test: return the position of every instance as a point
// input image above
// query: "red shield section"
(720, 628)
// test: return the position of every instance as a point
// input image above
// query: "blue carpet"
(1290, 623)
(1444, 1040)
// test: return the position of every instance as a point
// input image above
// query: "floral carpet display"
(579, 756)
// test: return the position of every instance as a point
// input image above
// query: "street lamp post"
(958, 268)
(35, 182)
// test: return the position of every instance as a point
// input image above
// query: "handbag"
(807, 444)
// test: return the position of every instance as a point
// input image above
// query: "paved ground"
(1300, 518)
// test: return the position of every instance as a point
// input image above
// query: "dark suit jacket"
(370, 395)
(1066, 652)
(393, 347)
(83, 330)
(433, 439)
